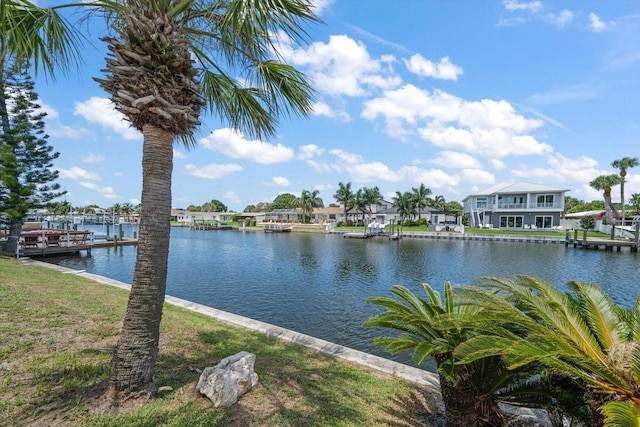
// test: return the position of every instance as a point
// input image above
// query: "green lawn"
(57, 332)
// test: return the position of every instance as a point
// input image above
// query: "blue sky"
(458, 95)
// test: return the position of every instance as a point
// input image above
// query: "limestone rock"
(226, 382)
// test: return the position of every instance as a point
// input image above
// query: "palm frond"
(619, 413)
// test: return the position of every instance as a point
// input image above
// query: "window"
(511, 221)
(481, 202)
(544, 221)
(545, 201)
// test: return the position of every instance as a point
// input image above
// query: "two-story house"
(515, 205)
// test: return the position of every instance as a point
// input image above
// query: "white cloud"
(342, 66)
(562, 170)
(497, 164)
(513, 5)
(212, 171)
(77, 174)
(323, 109)
(100, 111)
(49, 110)
(106, 192)
(452, 159)
(373, 172)
(562, 19)
(178, 154)
(445, 69)
(319, 166)
(486, 127)
(595, 24)
(135, 201)
(231, 197)
(93, 158)
(477, 176)
(231, 142)
(323, 187)
(281, 181)
(578, 92)
(309, 151)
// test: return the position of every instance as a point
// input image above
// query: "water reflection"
(318, 284)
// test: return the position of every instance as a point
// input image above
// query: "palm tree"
(580, 333)
(421, 195)
(344, 195)
(166, 63)
(38, 35)
(372, 197)
(405, 204)
(604, 183)
(635, 202)
(438, 202)
(428, 328)
(623, 164)
(359, 203)
(309, 200)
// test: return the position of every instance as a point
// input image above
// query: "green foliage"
(285, 201)
(588, 222)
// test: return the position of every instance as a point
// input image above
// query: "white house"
(515, 205)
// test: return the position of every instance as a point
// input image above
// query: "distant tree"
(571, 203)
(454, 207)
(372, 197)
(285, 201)
(26, 158)
(263, 207)
(309, 200)
(421, 198)
(214, 206)
(250, 208)
(344, 195)
(405, 202)
(623, 164)
(438, 202)
(587, 222)
(635, 202)
(604, 183)
(359, 202)
(333, 205)
(59, 208)
(193, 208)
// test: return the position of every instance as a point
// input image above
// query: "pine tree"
(26, 174)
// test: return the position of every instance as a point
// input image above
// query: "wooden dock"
(579, 239)
(42, 243)
(277, 227)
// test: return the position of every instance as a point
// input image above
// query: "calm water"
(317, 284)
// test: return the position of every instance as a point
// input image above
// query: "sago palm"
(580, 333)
(428, 327)
(169, 60)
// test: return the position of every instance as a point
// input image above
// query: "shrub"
(588, 222)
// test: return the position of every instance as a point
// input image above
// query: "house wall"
(528, 217)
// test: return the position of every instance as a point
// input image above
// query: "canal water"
(317, 284)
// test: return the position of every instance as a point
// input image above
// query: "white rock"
(226, 382)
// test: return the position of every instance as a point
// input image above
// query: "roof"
(585, 213)
(514, 188)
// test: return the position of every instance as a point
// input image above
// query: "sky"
(457, 95)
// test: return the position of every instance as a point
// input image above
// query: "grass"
(57, 332)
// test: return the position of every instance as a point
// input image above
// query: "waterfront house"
(431, 215)
(519, 205)
(188, 217)
(284, 215)
(327, 215)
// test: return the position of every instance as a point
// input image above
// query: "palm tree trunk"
(464, 406)
(11, 244)
(135, 354)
